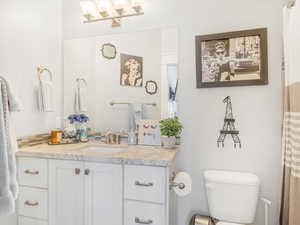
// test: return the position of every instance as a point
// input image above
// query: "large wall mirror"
(149, 55)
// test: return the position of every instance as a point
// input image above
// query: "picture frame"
(230, 59)
(151, 87)
(131, 71)
(109, 51)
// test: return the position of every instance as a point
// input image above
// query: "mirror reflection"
(109, 51)
(113, 92)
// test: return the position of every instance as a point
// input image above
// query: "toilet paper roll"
(183, 178)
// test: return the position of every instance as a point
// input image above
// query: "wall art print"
(232, 59)
(131, 71)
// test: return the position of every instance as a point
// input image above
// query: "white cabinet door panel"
(104, 192)
(66, 193)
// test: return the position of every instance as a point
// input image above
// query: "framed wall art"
(131, 71)
(232, 59)
(109, 51)
(151, 87)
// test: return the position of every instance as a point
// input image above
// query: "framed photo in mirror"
(151, 87)
(131, 71)
(109, 51)
(232, 59)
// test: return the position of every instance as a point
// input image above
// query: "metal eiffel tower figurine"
(228, 127)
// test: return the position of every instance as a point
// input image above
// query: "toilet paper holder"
(173, 184)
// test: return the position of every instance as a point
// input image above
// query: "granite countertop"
(130, 154)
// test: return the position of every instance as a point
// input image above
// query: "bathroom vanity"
(78, 185)
(94, 183)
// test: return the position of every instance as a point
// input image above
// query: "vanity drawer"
(29, 221)
(33, 202)
(139, 213)
(33, 172)
(145, 183)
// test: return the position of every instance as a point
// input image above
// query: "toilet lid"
(226, 223)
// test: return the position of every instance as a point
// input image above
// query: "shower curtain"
(290, 205)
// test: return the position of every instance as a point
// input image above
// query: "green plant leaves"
(170, 127)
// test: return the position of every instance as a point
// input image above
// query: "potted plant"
(170, 129)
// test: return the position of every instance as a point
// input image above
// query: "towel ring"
(41, 70)
(79, 80)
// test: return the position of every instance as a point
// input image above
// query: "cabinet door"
(66, 193)
(104, 191)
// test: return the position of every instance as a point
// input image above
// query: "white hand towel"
(82, 96)
(46, 96)
(138, 111)
(80, 104)
(8, 147)
(135, 114)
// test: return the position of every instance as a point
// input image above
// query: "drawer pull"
(32, 172)
(150, 184)
(31, 203)
(77, 171)
(139, 221)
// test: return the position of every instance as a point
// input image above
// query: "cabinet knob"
(139, 221)
(87, 172)
(77, 171)
(29, 203)
(138, 183)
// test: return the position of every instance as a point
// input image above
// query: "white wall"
(257, 109)
(30, 36)
(83, 59)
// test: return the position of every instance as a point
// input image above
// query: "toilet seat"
(226, 223)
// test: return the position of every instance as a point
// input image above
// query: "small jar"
(56, 136)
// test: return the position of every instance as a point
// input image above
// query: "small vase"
(168, 142)
(70, 131)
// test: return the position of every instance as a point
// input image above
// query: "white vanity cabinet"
(63, 192)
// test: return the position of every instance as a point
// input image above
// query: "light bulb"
(120, 4)
(87, 7)
(102, 5)
(137, 5)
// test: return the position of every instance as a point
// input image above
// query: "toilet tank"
(232, 196)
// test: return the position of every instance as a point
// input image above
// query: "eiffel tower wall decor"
(229, 127)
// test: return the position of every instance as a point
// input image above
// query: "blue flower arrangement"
(80, 118)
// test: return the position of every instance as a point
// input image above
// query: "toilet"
(232, 196)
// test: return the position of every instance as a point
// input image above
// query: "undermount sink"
(97, 148)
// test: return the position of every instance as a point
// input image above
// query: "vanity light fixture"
(113, 10)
